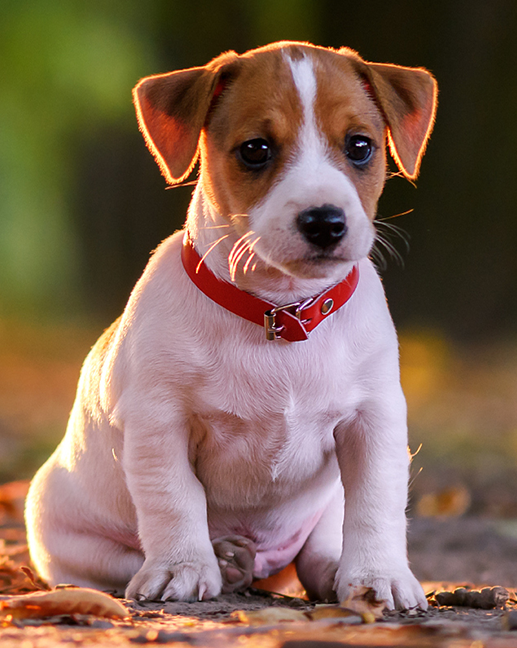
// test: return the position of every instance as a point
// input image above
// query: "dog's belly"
(278, 535)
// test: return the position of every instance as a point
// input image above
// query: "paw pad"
(236, 558)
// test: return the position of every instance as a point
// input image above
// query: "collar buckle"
(274, 332)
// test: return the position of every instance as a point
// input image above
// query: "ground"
(450, 552)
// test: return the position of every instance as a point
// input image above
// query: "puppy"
(252, 381)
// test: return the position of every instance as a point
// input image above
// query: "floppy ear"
(171, 110)
(407, 98)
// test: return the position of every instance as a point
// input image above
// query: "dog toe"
(236, 558)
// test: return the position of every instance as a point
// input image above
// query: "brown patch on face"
(260, 103)
(344, 108)
(263, 102)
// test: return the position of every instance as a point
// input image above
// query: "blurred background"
(82, 205)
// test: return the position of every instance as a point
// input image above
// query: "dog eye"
(358, 149)
(255, 153)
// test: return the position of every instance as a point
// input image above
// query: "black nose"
(322, 226)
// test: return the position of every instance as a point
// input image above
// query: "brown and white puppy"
(189, 425)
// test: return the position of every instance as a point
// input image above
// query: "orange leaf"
(363, 600)
(331, 611)
(269, 616)
(62, 601)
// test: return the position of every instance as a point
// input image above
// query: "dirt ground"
(444, 554)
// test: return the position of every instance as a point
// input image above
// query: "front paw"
(180, 581)
(400, 589)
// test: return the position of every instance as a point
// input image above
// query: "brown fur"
(258, 99)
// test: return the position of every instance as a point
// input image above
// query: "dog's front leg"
(374, 461)
(180, 563)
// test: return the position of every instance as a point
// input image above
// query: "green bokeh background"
(82, 203)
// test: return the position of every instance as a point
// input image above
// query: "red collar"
(292, 322)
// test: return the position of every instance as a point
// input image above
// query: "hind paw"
(236, 558)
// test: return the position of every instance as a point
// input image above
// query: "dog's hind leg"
(86, 560)
(318, 560)
(236, 558)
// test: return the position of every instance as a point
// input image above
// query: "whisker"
(414, 454)
(233, 270)
(394, 174)
(377, 257)
(237, 251)
(208, 227)
(246, 246)
(182, 184)
(236, 246)
(251, 247)
(399, 174)
(413, 477)
(384, 230)
(247, 264)
(253, 243)
(391, 249)
(390, 228)
(209, 250)
(386, 218)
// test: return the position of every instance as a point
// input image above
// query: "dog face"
(292, 145)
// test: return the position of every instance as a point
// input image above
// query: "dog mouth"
(318, 259)
(315, 266)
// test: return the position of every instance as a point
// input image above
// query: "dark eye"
(358, 149)
(255, 153)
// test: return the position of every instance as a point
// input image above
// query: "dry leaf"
(363, 600)
(269, 616)
(330, 611)
(17, 580)
(34, 579)
(62, 601)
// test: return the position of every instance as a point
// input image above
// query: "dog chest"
(263, 427)
(262, 460)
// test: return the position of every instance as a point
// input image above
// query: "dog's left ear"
(172, 109)
(407, 98)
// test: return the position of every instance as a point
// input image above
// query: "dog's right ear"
(171, 110)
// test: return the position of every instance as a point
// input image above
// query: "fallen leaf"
(363, 600)
(35, 580)
(62, 601)
(330, 611)
(269, 616)
(17, 580)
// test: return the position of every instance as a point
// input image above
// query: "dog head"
(292, 140)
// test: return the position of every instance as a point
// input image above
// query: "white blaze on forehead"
(306, 85)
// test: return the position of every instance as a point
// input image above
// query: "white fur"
(188, 425)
